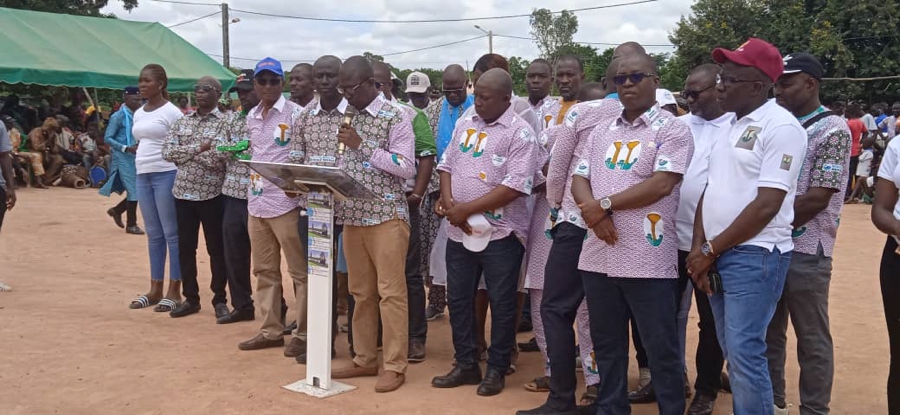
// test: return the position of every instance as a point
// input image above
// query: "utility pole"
(226, 59)
(490, 35)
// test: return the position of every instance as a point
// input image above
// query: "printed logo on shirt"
(483, 176)
(479, 145)
(583, 167)
(543, 139)
(495, 214)
(529, 184)
(547, 119)
(498, 160)
(786, 160)
(282, 136)
(366, 165)
(796, 233)
(623, 156)
(663, 164)
(653, 228)
(829, 167)
(465, 140)
(256, 185)
(659, 123)
(397, 159)
(571, 116)
(748, 138)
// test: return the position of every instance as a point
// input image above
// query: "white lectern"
(323, 187)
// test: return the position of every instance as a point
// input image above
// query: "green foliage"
(373, 57)
(858, 39)
(553, 34)
(76, 7)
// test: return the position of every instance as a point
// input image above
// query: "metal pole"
(491, 41)
(226, 59)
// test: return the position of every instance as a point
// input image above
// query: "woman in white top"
(155, 178)
(886, 217)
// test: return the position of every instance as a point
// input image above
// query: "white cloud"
(293, 40)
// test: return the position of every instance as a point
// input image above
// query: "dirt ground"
(70, 345)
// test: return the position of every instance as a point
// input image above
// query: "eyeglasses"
(731, 80)
(268, 81)
(204, 88)
(453, 91)
(352, 90)
(635, 78)
(689, 94)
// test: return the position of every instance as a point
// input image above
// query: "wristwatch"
(707, 249)
(606, 204)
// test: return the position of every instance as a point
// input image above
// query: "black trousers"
(130, 210)
(415, 284)
(236, 245)
(190, 216)
(709, 359)
(890, 294)
(854, 162)
(3, 203)
(563, 294)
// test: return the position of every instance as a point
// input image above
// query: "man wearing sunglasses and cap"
(742, 243)
(708, 122)
(817, 211)
(191, 145)
(274, 217)
(627, 186)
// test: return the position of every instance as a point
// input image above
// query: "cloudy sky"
(295, 40)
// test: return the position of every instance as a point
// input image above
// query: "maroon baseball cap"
(756, 53)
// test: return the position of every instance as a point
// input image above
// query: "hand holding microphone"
(347, 135)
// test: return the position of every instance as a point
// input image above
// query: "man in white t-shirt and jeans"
(742, 231)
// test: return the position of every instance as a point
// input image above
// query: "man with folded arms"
(742, 231)
(627, 186)
(379, 154)
(487, 171)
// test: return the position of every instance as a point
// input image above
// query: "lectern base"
(337, 388)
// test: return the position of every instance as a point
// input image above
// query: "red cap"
(756, 53)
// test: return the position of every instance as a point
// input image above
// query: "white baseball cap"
(664, 97)
(417, 82)
(481, 233)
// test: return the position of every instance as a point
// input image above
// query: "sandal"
(141, 302)
(590, 395)
(165, 305)
(4, 287)
(539, 384)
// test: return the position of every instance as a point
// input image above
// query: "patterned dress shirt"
(200, 173)
(270, 138)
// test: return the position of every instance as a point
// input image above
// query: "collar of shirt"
(818, 111)
(215, 113)
(646, 118)
(256, 112)
(375, 105)
(505, 120)
(724, 120)
(758, 113)
(539, 104)
(341, 107)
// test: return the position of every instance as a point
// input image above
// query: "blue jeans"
(158, 209)
(500, 262)
(653, 305)
(752, 278)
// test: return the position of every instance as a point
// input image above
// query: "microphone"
(349, 113)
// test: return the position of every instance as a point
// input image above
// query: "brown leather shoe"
(354, 371)
(260, 342)
(389, 381)
(295, 348)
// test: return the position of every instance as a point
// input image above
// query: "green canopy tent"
(64, 50)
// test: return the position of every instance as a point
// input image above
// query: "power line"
(436, 46)
(585, 43)
(470, 19)
(193, 20)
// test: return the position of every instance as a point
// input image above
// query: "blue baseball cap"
(271, 65)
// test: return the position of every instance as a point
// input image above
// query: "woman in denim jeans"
(886, 217)
(155, 178)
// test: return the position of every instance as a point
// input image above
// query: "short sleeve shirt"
(763, 149)
(618, 156)
(270, 139)
(482, 156)
(890, 169)
(827, 165)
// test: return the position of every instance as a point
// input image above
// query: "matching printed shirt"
(618, 156)
(200, 173)
(270, 139)
(482, 156)
(827, 165)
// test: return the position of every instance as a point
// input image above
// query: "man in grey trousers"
(817, 211)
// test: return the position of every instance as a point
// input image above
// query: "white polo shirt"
(763, 149)
(705, 134)
(890, 168)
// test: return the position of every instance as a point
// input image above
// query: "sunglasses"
(731, 80)
(204, 88)
(352, 90)
(689, 94)
(453, 91)
(268, 81)
(635, 78)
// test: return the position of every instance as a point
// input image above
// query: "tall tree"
(373, 57)
(518, 67)
(76, 7)
(552, 34)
